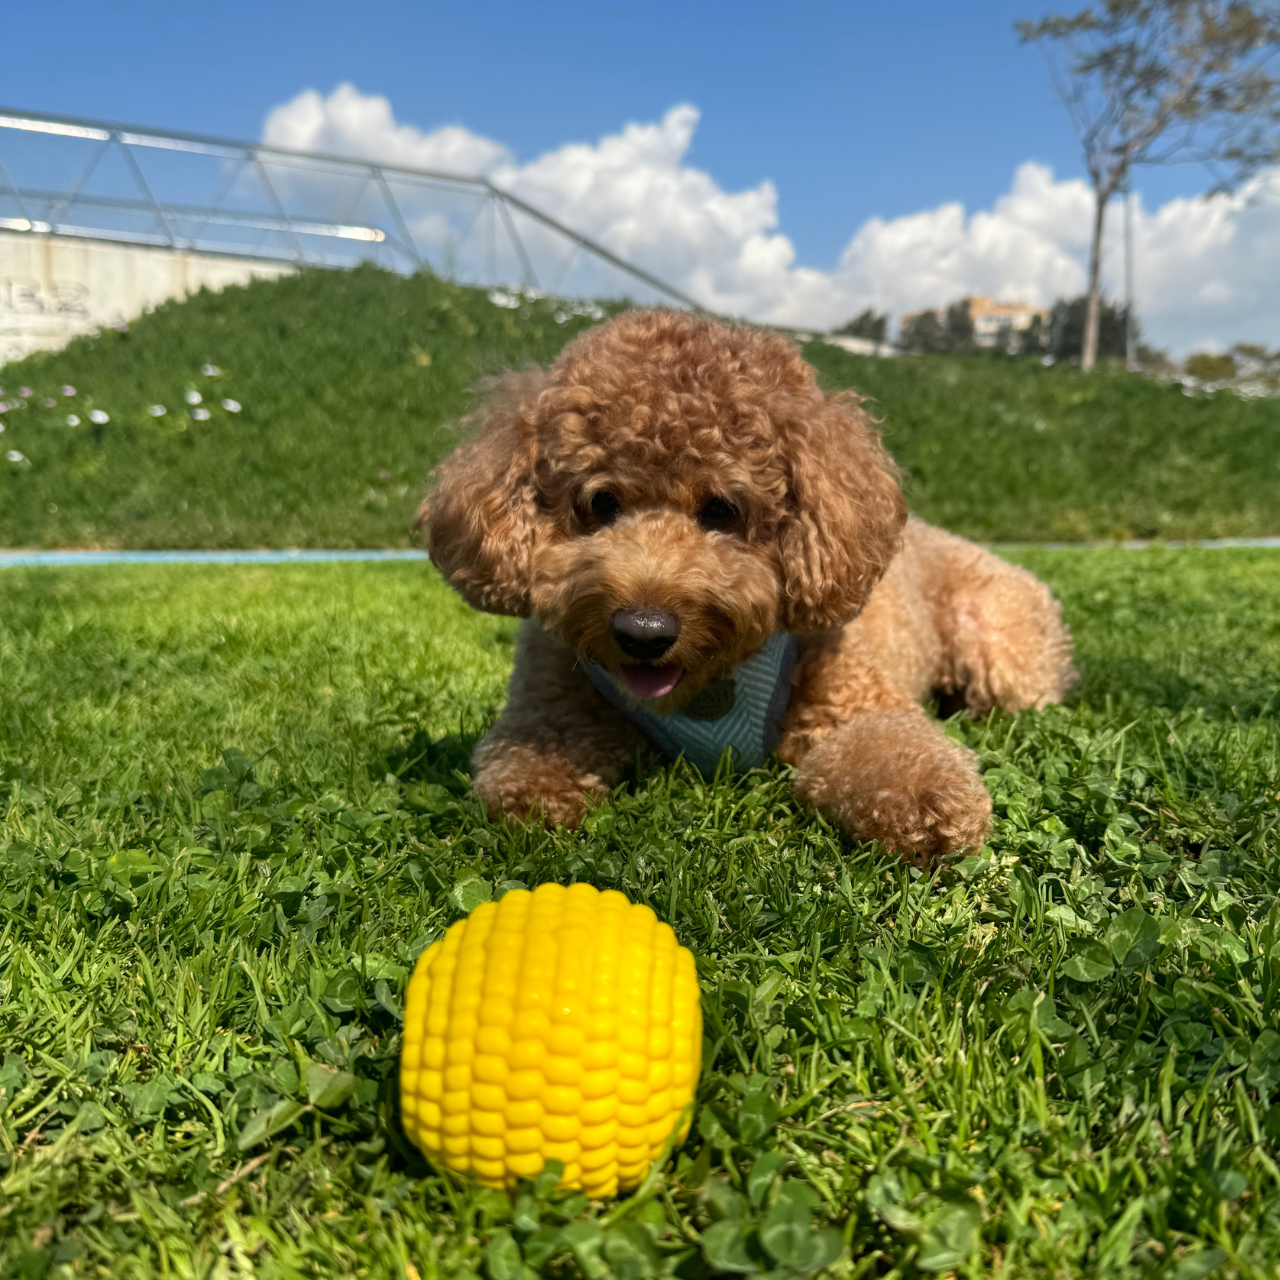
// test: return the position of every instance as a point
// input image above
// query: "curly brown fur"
(671, 462)
(917, 791)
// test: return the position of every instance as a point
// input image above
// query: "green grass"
(233, 815)
(1006, 450)
(350, 382)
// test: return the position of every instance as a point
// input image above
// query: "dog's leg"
(557, 743)
(867, 754)
(894, 776)
(1004, 643)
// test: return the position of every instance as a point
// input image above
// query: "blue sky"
(852, 110)
(790, 163)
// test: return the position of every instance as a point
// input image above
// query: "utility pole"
(1130, 356)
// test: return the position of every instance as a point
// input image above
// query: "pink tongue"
(651, 682)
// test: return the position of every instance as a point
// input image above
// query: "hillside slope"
(348, 382)
(1007, 450)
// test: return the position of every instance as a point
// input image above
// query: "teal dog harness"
(741, 712)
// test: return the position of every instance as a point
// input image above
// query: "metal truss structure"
(89, 179)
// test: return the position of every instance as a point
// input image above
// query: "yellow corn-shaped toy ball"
(562, 1024)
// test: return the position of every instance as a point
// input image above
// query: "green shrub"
(1211, 368)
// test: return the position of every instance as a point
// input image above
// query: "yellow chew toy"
(562, 1024)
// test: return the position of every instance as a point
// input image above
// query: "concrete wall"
(52, 289)
(860, 346)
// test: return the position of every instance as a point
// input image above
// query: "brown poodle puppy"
(711, 553)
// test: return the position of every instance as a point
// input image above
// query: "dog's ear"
(481, 515)
(846, 515)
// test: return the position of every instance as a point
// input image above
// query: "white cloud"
(351, 123)
(1208, 269)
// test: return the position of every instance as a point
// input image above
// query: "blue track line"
(1139, 544)
(16, 559)
(45, 559)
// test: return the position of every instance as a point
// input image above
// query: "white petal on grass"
(231, 406)
(210, 370)
(14, 456)
(49, 402)
(200, 415)
(25, 392)
(157, 411)
(500, 298)
(73, 420)
(99, 417)
(193, 397)
(68, 390)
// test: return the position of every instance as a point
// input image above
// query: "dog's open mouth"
(648, 681)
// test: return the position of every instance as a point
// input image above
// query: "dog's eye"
(605, 507)
(717, 513)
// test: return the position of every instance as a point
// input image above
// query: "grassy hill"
(348, 382)
(235, 809)
(1006, 450)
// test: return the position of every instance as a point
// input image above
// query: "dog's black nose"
(645, 633)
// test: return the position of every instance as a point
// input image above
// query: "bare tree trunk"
(1089, 353)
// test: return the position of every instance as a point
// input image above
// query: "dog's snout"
(645, 634)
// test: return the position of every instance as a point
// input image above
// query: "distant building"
(992, 321)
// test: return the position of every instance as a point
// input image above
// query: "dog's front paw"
(896, 778)
(526, 783)
(523, 803)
